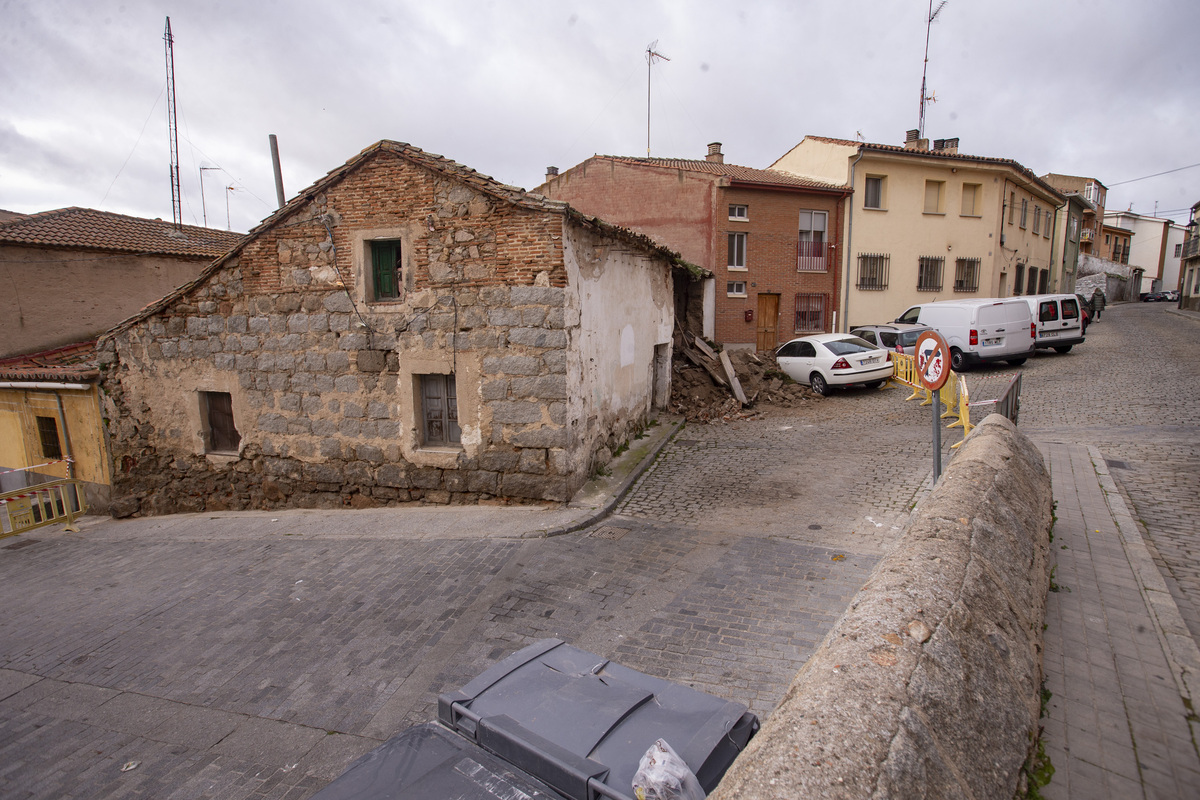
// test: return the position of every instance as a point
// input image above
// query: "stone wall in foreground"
(928, 686)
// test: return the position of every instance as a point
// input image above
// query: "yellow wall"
(905, 232)
(20, 445)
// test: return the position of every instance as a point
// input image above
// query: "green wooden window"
(439, 406)
(48, 433)
(385, 270)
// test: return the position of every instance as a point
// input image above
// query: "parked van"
(1058, 320)
(981, 330)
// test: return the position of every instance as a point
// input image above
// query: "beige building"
(1096, 193)
(928, 223)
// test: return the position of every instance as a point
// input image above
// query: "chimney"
(951, 147)
(912, 142)
(551, 172)
(714, 153)
(939, 144)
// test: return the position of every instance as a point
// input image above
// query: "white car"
(834, 359)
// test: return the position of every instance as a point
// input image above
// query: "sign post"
(933, 369)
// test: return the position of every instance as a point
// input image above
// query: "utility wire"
(135, 144)
(1155, 175)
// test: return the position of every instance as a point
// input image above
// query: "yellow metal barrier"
(953, 394)
(45, 504)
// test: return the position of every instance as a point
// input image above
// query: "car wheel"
(1016, 362)
(1065, 348)
(873, 384)
(957, 362)
(818, 384)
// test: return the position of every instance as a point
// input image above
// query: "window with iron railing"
(966, 275)
(810, 312)
(929, 273)
(873, 271)
(811, 245)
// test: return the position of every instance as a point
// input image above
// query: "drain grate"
(1116, 464)
(22, 543)
(609, 532)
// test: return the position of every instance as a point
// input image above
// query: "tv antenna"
(651, 54)
(173, 127)
(203, 204)
(927, 98)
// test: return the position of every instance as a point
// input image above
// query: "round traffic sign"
(933, 360)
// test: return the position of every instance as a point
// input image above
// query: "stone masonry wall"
(325, 382)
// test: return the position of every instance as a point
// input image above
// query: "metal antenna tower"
(650, 56)
(924, 97)
(173, 127)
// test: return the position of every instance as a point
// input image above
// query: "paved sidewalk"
(1120, 666)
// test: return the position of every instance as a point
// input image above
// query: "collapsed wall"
(928, 686)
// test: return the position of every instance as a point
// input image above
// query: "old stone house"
(404, 329)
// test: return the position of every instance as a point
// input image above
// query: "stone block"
(289, 402)
(379, 410)
(369, 452)
(313, 361)
(494, 390)
(519, 365)
(272, 423)
(353, 411)
(197, 326)
(536, 487)
(533, 317)
(259, 325)
(546, 436)
(499, 460)
(504, 317)
(312, 405)
(537, 295)
(558, 413)
(331, 447)
(538, 337)
(426, 478)
(483, 481)
(347, 384)
(455, 480)
(324, 427)
(338, 302)
(371, 360)
(352, 341)
(533, 461)
(236, 323)
(337, 361)
(393, 475)
(513, 412)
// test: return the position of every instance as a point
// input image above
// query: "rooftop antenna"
(172, 127)
(927, 98)
(651, 54)
(203, 204)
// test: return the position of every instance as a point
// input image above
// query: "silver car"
(899, 337)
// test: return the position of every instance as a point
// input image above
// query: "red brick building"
(770, 239)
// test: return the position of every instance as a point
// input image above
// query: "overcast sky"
(1100, 88)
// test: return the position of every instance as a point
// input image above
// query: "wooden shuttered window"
(385, 270)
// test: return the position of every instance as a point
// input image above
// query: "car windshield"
(851, 344)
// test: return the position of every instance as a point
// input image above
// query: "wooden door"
(768, 321)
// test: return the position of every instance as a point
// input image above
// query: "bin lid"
(559, 712)
(429, 761)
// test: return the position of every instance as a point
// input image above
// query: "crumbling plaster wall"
(623, 304)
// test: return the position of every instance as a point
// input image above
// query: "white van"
(981, 330)
(1059, 323)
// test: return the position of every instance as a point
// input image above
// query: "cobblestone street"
(259, 665)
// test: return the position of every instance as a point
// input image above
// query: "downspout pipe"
(66, 434)
(849, 241)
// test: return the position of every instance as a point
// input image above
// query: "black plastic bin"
(550, 721)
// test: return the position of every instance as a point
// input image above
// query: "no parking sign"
(933, 369)
(933, 360)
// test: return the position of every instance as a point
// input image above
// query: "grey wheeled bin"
(550, 721)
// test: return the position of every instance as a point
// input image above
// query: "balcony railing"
(1191, 248)
(811, 256)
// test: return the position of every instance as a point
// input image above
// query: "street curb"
(1185, 313)
(1178, 646)
(619, 493)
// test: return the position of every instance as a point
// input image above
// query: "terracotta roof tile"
(734, 172)
(71, 363)
(891, 148)
(101, 230)
(484, 183)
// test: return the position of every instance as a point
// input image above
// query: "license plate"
(874, 360)
(1050, 333)
(997, 340)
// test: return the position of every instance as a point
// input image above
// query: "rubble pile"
(701, 392)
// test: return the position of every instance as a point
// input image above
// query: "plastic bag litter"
(663, 775)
